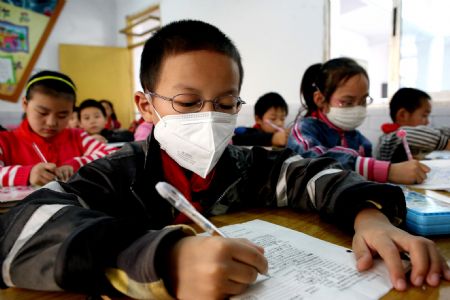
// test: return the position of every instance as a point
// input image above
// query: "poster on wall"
(24, 27)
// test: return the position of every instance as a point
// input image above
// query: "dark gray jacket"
(109, 219)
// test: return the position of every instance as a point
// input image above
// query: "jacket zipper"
(224, 192)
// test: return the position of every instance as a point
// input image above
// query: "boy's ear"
(319, 99)
(144, 107)
(402, 117)
(258, 120)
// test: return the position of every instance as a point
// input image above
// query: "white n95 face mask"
(347, 118)
(196, 140)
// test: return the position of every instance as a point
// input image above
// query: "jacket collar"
(227, 172)
(389, 127)
(25, 132)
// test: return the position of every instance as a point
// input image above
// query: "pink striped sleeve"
(299, 138)
(92, 150)
(372, 169)
(14, 175)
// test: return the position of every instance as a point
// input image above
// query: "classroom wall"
(76, 25)
(277, 40)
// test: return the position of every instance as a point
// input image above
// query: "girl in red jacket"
(42, 149)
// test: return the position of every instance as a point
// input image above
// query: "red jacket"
(71, 146)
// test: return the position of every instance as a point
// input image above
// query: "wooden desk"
(304, 222)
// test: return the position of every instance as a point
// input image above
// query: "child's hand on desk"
(42, 173)
(408, 172)
(63, 173)
(213, 267)
(279, 138)
(374, 234)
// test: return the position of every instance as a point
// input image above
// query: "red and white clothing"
(71, 146)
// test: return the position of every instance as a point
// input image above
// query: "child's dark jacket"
(108, 222)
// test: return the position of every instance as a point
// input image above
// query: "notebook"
(427, 215)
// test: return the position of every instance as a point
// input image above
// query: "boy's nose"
(51, 121)
(207, 106)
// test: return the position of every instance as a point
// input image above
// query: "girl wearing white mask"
(335, 97)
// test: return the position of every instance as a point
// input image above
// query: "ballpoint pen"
(402, 134)
(274, 126)
(39, 153)
(174, 197)
(171, 194)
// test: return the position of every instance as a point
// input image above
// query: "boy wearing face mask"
(410, 110)
(335, 97)
(108, 230)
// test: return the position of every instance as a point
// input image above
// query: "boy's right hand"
(214, 267)
(408, 172)
(42, 173)
(279, 138)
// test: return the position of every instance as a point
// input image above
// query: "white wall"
(83, 22)
(277, 40)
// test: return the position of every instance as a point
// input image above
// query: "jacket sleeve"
(304, 141)
(245, 136)
(92, 150)
(11, 175)
(58, 239)
(320, 185)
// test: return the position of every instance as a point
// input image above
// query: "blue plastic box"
(426, 215)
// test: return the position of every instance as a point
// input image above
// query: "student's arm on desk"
(60, 238)
(374, 234)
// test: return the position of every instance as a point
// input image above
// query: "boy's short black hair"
(90, 103)
(180, 37)
(51, 83)
(267, 101)
(407, 98)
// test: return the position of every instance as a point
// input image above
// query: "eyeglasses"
(192, 103)
(351, 103)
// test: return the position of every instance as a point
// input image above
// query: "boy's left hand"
(63, 173)
(374, 234)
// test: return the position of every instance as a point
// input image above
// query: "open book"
(303, 267)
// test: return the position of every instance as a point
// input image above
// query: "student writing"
(270, 113)
(335, 96)
(410, 109)
(48, 104)
(107, 229)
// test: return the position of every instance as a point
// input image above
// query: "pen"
(402, 134)
(39, 153)
(274, 126)
(171, 194)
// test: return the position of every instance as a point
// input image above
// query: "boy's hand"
(42, 173)
(408, 172)
(374, 234)
(213, 267)
(279, 138)
(63, 173)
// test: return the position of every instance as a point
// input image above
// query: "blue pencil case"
(426, 215)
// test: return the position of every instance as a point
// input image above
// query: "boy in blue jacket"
(108, 230)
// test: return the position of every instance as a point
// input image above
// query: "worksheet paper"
(303, 267)
(439, 176)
